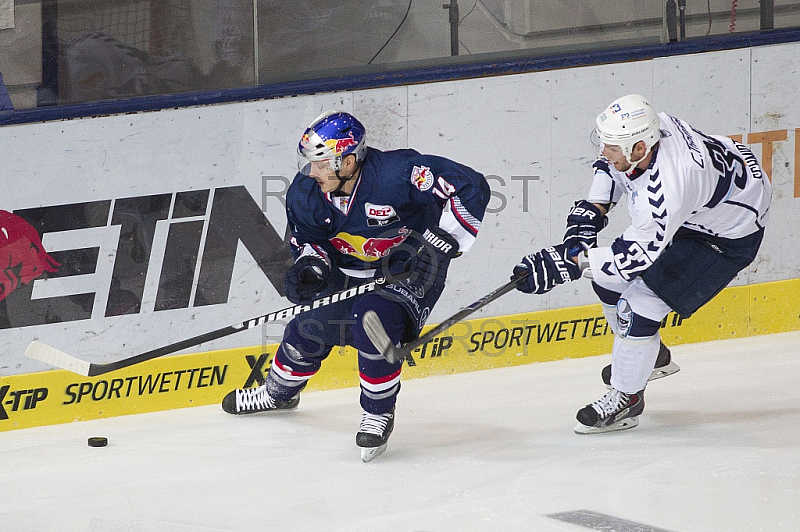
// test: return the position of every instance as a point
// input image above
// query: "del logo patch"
(379, 215)
(422, 177)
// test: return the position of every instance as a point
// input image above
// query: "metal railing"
(63, 52)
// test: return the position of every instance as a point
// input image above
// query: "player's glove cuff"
(584, 221)
(422, 260)
(308, 276)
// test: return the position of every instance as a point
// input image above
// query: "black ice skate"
(616, 410)
(252, 400)
(373, 434)
(664, 367)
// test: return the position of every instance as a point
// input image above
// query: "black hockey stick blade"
(44, 353)
(393, 354)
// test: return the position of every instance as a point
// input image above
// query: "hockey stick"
(40, 351)
(393, 354)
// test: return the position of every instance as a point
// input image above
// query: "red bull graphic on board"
(367, 249)
(22, 256)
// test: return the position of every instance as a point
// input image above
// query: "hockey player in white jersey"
(698, 205)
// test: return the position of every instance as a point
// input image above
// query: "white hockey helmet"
(626, 121)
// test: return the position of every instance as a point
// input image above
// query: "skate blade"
(666, 371)
(625, 424)
(368, 454)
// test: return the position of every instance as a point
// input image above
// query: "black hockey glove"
(438, 250)
(306, 278)
(422, 260)
(546, 268)
(584, 221)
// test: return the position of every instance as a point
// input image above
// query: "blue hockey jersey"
(396, 192)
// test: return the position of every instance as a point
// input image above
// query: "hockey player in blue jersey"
(698, 205)
(356, 213)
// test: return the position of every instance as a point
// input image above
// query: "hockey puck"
(98, 442)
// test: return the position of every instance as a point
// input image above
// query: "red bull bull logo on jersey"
(22, 256)
(422, 177)
(367, 249)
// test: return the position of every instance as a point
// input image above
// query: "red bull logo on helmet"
(22, 256)
(367, 249)
(340, 146)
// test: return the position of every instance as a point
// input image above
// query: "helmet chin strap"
(634, 166)
(342, 180)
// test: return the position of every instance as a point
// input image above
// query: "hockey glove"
(438, 250)
(307, 277)
(584, 221)
(423, 259)
(545, 269)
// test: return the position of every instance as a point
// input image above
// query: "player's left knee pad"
(635, 349)
(608, 299)
(632, 325)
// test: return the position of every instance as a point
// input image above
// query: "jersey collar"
(345, 203)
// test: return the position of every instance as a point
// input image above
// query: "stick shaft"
(377, 333)
(461, 314)
(99, 369)
(60, 359)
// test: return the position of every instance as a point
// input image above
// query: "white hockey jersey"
(710, 184)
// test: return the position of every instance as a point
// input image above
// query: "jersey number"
(731, 170)
(443, 189)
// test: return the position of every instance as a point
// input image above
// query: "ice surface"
(717, 449)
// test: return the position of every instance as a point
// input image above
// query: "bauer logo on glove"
(545, 269)
(560, 264)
